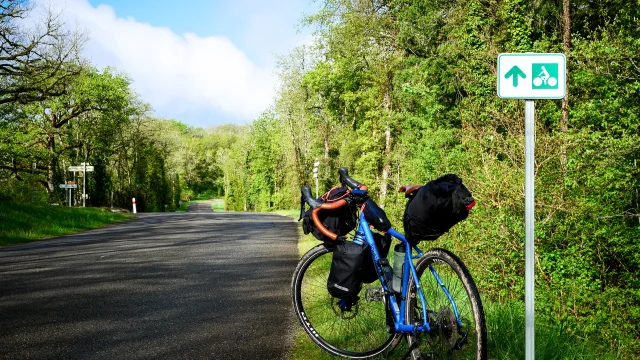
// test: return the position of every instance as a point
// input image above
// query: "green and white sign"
(532, 76)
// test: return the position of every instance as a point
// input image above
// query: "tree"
(35, 63)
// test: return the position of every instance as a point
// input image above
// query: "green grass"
(218, 206)
(506, 323)
(20, 223)
(294, 214)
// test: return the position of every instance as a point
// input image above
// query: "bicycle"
(438, 288)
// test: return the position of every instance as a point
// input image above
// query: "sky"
(202, 62)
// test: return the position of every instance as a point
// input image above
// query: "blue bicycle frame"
(409, 269)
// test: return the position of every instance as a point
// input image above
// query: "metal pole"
(64, 171)
(33, 168)
(529, 204)
(84, 182)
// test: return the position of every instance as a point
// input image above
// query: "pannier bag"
(435, 208)
(340, 221)
(345, 276)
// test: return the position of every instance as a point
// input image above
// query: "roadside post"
(315, 174)
(134, 205)
(70, 185)
(83, 168)
(33, 169)
(531, 76)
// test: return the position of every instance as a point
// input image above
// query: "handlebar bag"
(345, 277)
(340, 221)
(435, 208)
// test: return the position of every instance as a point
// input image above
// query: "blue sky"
(258, 28)
(204, 63)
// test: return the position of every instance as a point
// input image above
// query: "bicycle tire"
(359, 335)
(447, 340)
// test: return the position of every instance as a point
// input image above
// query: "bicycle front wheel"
(358, 333)
(454, 310)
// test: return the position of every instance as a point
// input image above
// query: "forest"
(399, 92)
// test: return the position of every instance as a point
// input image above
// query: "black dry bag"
(340, 221)
(435, 208)
(345, 277)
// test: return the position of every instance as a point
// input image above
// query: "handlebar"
(348, 181)
(306, 195)
(318, 206)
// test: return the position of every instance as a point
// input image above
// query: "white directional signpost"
(69, 186)
(315, 174)
(531, 76)
(83, 168)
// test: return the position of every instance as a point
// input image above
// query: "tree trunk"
(296, 150)
(566, 45)
(326, 147)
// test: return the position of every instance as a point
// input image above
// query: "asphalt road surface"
(203, 206)
(164, 286)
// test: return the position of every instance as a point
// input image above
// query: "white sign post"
(531, 76)
(315, 174)
(83, 168)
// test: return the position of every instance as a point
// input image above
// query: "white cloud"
(175, 73)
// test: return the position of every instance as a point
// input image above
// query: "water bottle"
(398, 266)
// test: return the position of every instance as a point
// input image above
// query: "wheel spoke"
(360, 332)
(447, 340)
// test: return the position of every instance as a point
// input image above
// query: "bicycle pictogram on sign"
(545, 76)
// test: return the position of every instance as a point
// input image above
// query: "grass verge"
(20, 223)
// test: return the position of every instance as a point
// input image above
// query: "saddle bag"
(345, 276)
(435, 208)
(340, 221)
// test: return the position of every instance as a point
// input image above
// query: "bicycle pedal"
(374, 294)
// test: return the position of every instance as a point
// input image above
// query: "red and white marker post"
(134, 205)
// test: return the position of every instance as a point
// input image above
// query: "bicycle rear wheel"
(449, 338)
(359, 333)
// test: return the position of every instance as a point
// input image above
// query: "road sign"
(532, 76)
(80, 168)
(68, 186)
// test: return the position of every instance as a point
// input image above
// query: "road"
(163, 286)
(203, 206)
